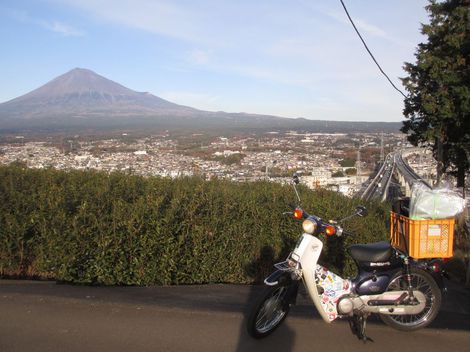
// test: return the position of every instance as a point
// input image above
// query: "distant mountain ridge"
(81, 99)
(81, 92)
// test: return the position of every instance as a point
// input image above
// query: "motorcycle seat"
(371, 252)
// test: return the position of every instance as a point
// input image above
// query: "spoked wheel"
(421, 281)
(268, 312)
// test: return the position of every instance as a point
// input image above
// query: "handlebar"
(299, 214)
(329, 227)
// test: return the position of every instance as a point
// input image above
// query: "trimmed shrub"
(119, 229)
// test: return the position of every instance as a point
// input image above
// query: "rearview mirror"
(361, 211)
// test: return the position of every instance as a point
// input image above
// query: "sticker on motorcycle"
(333, 288)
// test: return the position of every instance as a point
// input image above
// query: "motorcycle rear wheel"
(421, 281)
(269, 311)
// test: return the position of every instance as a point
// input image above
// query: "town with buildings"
(337, 161)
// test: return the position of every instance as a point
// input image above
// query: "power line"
(371, 55)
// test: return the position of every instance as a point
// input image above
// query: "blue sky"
(291, 58)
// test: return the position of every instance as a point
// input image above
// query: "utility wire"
(371, 55)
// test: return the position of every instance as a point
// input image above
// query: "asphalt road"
(45, 316)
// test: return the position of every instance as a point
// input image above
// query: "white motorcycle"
(404, 292)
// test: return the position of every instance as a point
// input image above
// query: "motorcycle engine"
(345, 306)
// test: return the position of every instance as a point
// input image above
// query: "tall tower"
(358, 166)
(382, 156)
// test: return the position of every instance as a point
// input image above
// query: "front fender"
(278, 277)
(283, 278)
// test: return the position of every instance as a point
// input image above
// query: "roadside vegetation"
(119, 229)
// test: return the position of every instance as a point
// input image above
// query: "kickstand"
(357, 324)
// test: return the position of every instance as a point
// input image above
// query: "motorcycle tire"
(268, 312)
(423, 282)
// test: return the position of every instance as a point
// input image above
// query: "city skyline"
(296, 59)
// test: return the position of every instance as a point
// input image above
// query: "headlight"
(309, 226)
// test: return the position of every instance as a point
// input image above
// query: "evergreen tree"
(438, 104)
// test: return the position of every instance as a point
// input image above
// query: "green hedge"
(118, 229)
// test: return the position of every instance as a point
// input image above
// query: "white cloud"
(234, 38)
(362, 25)
(367, 28)
(370, 28)
(61, 28)
(199, 57)
(153, 16)
(53, 25)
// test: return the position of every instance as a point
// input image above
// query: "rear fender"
(438, 276)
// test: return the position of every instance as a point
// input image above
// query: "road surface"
(45, 316)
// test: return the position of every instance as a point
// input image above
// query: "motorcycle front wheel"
(268, 312)
(420, 281)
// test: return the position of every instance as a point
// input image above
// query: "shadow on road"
(454, 314)
(259, 269)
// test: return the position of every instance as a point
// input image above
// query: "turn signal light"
(298, 213)
(330, 230)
